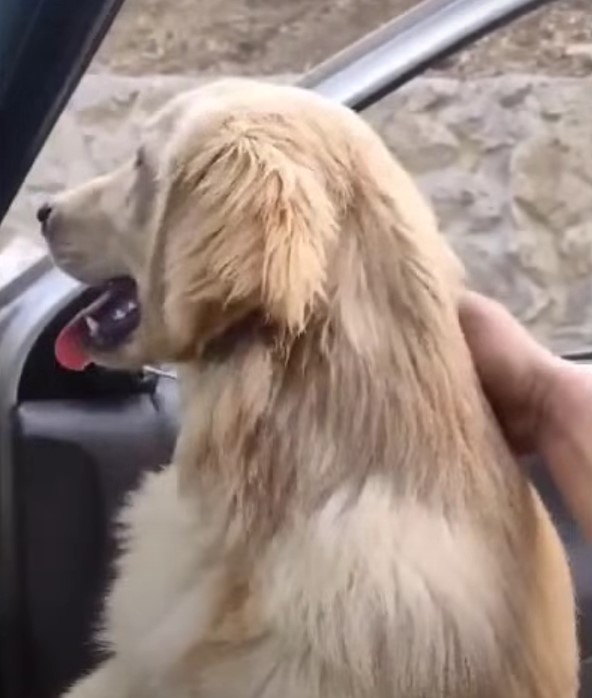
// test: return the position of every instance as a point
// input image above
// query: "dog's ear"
(298, 224)
(262, 222)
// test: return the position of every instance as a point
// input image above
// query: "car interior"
(82, 442)
(73, 445)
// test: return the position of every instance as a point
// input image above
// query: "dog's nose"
(44, 213)
(43, 216)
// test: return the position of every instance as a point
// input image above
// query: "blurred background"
(499, 136)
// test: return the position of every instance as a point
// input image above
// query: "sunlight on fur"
(342, 518)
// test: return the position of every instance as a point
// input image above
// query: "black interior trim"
(78, 460)
(43, 378)
(582, 356)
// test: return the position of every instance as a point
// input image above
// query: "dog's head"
(233, 206)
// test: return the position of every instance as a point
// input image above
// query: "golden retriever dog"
(342, 518)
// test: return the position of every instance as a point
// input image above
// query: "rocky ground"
(287, 36)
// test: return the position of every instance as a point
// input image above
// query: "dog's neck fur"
(380, 384)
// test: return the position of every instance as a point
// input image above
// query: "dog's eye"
(140, 158)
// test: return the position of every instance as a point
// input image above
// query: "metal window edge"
(395, 53)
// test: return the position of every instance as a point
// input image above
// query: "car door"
(73, 445)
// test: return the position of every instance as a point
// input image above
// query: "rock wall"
(507, 163)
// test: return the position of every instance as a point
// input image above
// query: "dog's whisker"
(161, 373)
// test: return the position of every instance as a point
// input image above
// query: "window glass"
(157, 48)
(500, 139)
(498, 136)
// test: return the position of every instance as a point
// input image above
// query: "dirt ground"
(287, 36)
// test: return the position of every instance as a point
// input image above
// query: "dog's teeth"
(92, 324)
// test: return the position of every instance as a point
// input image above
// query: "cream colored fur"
(342, 518)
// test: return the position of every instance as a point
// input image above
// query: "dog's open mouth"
(102, 326)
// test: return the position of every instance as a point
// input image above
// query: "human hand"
(516, 372)
(543, 404)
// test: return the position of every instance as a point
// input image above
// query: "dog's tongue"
(105, 323)
(69, 348)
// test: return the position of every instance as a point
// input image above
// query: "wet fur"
(342, 517)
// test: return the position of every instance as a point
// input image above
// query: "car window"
(500, 138)
(156, 48)
(497, 135)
